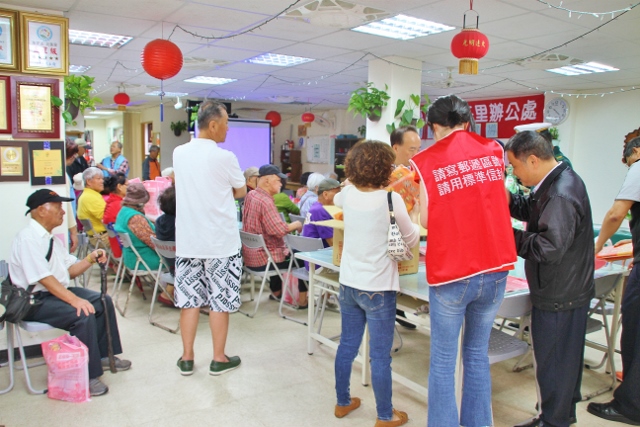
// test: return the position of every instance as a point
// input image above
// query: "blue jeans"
(378, 310)
(476, 301)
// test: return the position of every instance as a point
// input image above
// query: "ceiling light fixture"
(89, 38)
(157, 93)
(403, 27)
(586, 68)
(209, 80)
(178, 104)
(278, 60)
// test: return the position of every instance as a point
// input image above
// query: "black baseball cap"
(271, 170)
(43, 196)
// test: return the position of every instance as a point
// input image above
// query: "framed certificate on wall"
(5, 104)
(47, 162)
(14, 163)
(9, 57)
(45, 41)
(34, 115)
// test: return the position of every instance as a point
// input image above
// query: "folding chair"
(136, 272)
(256, 241)
(13, 330)
(294, 217)
(297, 244)
(81, 253)
(165, 250)
(86, 224)
(503, 346)
(604, 286)
(120, 261)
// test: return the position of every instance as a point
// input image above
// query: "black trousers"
(275, 282)
(627, 395)
(558, 340)
(91, 330)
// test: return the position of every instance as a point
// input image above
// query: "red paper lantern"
(122, 99)
(308, 117)
(161, 59)
(469, 45)
(274, 117)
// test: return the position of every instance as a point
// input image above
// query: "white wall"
(595, 133)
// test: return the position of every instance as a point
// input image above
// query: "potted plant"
(407, 116)
(178, 127)
(78, 98)
(368, 101)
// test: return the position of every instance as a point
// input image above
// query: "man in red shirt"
(260, 216)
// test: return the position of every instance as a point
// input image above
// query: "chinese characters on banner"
(468, 173)
(496, 118)
(44, 45)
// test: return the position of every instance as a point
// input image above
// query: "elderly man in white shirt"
(37, 258)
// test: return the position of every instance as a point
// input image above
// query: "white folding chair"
(503, 346)
(81, 253)
(604, 287)
(13, 330)
(297, 244)
(86, 224)
(120, 261)
(165, 250)
(294, 217)
(256, 241)
(135, 272)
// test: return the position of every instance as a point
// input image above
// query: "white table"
(414, 285)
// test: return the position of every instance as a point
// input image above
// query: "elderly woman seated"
(91, 204)
(131, 220)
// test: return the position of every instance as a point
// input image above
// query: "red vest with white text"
(469, 225)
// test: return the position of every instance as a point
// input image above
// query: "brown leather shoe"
(403, 418)
(342, 411)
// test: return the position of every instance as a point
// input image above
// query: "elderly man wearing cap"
(543, 130)
(260, 216)
(37, 258)
(209, 261)
(79, 164)
(326, 191)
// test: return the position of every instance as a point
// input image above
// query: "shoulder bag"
(397, 249)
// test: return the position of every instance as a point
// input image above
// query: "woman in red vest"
(469, 250)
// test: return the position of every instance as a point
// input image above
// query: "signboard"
(496, 118)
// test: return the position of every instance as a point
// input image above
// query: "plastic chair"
(135, 272)
(297, 244)
(86, 224)
(256, 241)
(165, 250)
(604, 286)
(503, 346)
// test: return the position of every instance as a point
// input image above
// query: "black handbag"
(19, 302)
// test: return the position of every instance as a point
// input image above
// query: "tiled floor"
(278, 383)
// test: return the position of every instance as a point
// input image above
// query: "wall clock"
(556, 111)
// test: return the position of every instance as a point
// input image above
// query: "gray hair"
(90, 173)
(628, 148)
(207, 111)
(527, 143)
(314, 180)
(398, 134)
(154, 148)
(119, 144)
(167, 172)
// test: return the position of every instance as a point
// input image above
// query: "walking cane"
(103, 298)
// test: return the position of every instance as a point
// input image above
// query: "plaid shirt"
(260, 216)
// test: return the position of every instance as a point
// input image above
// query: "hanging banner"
(496, 118)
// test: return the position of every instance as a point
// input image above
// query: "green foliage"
(405, 115)
(368, 100)
(193, 118)
(179, 126)
(554, 133)
(77, 92)
(362, 130)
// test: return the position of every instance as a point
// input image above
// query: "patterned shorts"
(212, 282)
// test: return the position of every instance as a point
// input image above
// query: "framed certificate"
(47, 162)
(5, 104)
(45, 41)
(9, 56)
(34, 115)
(14, 164)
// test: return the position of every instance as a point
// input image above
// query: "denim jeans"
(476, 301)
(378, 311)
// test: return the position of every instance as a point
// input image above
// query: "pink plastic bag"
(68, 362)
(155, 188)
(293, 293)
